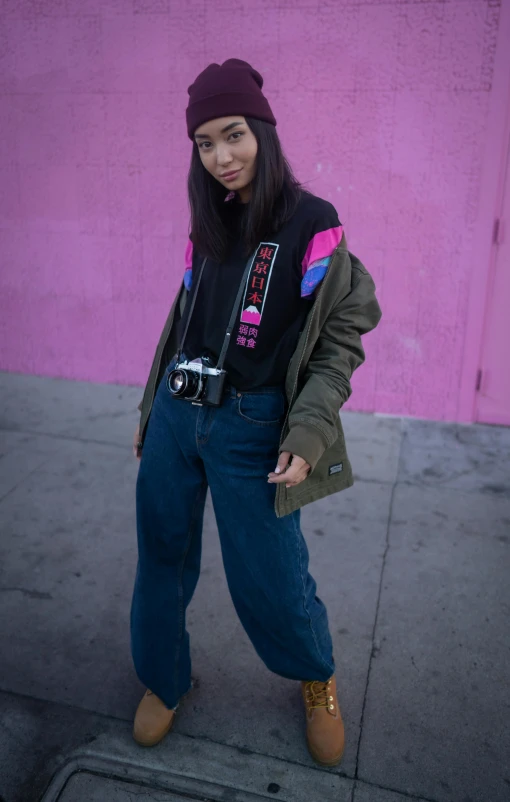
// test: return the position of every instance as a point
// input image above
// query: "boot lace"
(318, 695)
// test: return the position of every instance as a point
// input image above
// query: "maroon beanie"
(233, 87)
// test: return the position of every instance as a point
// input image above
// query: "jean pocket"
(262, 409)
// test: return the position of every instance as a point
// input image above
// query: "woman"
(272, 296)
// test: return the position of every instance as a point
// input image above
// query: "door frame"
(483, 261)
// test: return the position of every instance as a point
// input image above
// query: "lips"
(230, 174)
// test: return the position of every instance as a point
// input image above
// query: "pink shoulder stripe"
(321, 245)
(188, 256)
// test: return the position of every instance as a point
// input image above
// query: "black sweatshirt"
(283, 280)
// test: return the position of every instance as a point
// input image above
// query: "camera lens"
(176, 381)
(183, 382)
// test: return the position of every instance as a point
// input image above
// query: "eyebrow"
(227, 128)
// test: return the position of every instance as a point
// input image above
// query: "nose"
(223, 156)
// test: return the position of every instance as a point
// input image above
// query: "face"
(227, 145)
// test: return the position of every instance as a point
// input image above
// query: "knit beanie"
(233, 87)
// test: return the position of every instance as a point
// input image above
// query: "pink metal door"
(493, 397)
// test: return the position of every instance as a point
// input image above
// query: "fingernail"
(277, 469)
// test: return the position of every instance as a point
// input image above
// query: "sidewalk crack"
(375, 645)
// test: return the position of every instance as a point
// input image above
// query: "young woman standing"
(253, 364)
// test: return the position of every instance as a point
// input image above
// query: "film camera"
(197, 381)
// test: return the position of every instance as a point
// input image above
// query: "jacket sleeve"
(326, 382)
(168, 341)
(188, 266)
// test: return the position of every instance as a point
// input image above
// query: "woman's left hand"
(291, 472)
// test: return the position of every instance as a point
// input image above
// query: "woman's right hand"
(137, 451)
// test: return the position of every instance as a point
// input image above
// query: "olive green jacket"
(317, 384)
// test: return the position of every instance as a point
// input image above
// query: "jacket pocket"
(262, 408)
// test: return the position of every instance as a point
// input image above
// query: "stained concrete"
(370, 793)
(412, 563)
(438, 693)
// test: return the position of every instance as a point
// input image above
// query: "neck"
(244, 194)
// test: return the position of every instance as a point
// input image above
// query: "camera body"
(197, 381)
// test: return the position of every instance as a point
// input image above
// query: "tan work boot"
(152, 720)
(324, 725)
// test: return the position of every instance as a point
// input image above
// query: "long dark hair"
(275, 192)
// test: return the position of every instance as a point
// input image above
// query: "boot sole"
(333, 762)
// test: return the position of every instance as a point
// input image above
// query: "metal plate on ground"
(112, 769)
(87, 787)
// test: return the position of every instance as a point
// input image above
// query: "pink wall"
(381, 107)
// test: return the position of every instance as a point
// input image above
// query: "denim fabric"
(231, 449)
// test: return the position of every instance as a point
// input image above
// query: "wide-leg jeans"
(229, 449)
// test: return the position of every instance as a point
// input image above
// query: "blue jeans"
(231, 449)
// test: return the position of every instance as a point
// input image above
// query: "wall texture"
(381, 109)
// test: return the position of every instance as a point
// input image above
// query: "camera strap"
(235, 310)
(195, 293)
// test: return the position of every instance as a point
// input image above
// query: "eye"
(235, 134)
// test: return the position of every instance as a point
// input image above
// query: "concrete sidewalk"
(412, 562)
